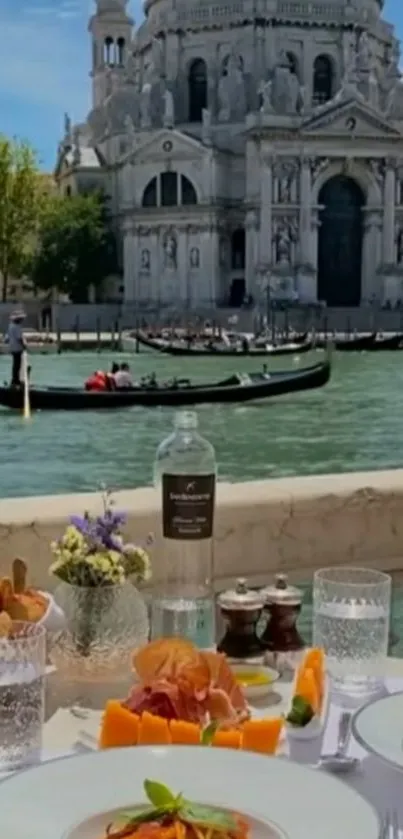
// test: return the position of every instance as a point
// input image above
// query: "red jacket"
(98, 381)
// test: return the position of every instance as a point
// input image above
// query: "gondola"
(184, 348)
(359, 344)
(392, 342)
(237, 388)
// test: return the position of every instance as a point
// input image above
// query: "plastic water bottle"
(185, 473)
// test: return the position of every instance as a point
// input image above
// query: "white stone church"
(246, 144)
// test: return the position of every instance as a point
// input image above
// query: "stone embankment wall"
(289, 525)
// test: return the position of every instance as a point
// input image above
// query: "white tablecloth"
(381, 785)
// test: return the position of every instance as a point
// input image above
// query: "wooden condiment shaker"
(241, 609)
(283, 604)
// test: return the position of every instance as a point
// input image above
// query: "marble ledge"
(290, 524)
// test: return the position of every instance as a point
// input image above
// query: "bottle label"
(188, 506)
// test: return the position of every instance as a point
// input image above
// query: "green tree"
(21, 196)
(75, 247)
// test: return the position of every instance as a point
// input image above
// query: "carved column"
(251, 258)
(266, 198)
(305, 211)
(389, 193)
(128, 263)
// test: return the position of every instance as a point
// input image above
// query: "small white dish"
(315, 727)
(269, 676)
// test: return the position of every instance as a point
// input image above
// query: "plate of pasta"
(181, 792)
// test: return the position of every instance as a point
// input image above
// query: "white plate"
(64, 799)
(378, 727)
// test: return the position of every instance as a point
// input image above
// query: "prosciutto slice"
(177, 681)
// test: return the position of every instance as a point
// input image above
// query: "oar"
(27, 403)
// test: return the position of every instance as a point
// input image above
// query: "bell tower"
(111, 30)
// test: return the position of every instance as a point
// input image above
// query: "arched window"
(197, 89)
(108, 50)
(150, 194)
(120, 51)
(238, 250)
(322, 79)
(169, 190)
(293, 63)
(188, 191)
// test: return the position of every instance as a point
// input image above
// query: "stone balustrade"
(293, 525)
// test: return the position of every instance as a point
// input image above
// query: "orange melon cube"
(227, 739)
(306, 687)
(119, 727)
(315, 660)
(262, 735)
(185, 733)
(153, 730)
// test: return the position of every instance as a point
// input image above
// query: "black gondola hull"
(255, 386)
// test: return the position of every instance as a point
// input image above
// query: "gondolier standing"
(17, 345)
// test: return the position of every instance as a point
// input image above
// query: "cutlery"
(390, 825)
(339, 762)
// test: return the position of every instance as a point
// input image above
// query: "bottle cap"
(185, 420)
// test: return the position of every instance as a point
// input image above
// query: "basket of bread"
(19, 602)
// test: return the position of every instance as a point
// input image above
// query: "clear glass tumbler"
(351, 616)
(22, 695)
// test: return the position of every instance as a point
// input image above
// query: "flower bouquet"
(98, 571)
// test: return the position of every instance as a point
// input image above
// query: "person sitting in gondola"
(99, 381)
(123, 377)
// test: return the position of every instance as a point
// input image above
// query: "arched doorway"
(340, 242)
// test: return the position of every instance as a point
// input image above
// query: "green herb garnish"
(166, 805)
(208, 733)
(301, 712)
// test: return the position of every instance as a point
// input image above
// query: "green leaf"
(159, 794)
(208, 733)
(141, 815)
(207, 816)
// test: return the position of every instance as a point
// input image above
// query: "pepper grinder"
(241, 609)
(283, 604)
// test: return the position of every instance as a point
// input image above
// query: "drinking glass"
(22, 695)
(351, 615)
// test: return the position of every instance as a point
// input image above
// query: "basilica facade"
(246, 146)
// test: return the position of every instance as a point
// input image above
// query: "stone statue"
(265, 91)
(130, 128)
(194, 257)
(76, 146)
(145, 105)
(364, 52)
(283, 244)
(231, 90)
(373, 90)
(169, 109)
(206, 126)
(286, 88)
(67, 126)
(145, 260)
(170, 249)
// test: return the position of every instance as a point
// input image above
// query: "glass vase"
(93, 652)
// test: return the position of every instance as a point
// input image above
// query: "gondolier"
(16, 345)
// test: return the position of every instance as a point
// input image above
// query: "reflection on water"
(354, 423)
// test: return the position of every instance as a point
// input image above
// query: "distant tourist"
(123, 377)
(16, 343)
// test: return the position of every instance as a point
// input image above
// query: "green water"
(355, 423)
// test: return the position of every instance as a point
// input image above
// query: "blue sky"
(44, 65)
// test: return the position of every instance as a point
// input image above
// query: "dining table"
(73, 729)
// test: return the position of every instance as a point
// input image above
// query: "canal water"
(354, 423)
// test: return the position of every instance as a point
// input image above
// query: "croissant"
(18, 601)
